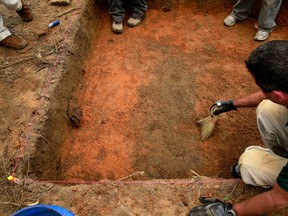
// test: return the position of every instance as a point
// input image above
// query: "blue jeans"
(268, 12)
(117, 12)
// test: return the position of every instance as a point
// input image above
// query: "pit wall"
(44, 156)
(49, 135)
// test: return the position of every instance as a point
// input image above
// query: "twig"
(14, 63)
(68, 11)
(10, 203)
(39, 69)
(129, 176)
(228, 196)
(48, 142)
(233, 189)
(194, 173)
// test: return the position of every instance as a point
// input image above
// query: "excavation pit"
(143, 91)
(141, 94)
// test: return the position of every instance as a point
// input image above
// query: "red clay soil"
(144, 90)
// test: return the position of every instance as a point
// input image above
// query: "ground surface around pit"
(141, 95)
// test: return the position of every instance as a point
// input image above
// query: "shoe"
(14, 42)
(133, 22)
(261, 35)
(25, 13)
(235, 170)
(117, 27)
(229, 21)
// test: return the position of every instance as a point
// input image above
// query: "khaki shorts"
(261, 166)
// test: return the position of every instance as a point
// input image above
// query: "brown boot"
(25, 13)
(14, 42)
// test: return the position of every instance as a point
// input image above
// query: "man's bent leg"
(260, 166)
(272, 120)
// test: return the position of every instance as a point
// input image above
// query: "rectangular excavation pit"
(142, 92)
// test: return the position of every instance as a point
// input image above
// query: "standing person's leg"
(117, 13)
(12, 4)
(6, 39)
(20, 7)
(241, 11)
(139, 9)
(266, 19)
(4, 32)
(116, 10)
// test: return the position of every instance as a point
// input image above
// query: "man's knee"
(252, 157)
(260, 166)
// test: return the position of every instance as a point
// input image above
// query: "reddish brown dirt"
(144, 90)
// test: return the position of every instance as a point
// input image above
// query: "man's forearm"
(269, 201)
(252, 100)
(258, 205)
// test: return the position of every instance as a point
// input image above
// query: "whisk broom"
(207, 124)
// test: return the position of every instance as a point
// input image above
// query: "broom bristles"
(207, 126)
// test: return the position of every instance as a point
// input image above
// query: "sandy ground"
(141, 95)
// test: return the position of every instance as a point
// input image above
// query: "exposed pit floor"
(144, 90)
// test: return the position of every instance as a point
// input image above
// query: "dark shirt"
(282, 178)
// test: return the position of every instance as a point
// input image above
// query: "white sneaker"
(261, 35)
(229, 21)
(117, 27)
(133, 22)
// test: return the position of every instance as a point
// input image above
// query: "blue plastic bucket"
(43, 210)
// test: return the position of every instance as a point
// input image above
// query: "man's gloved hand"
(222, 106)
(212, 207)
